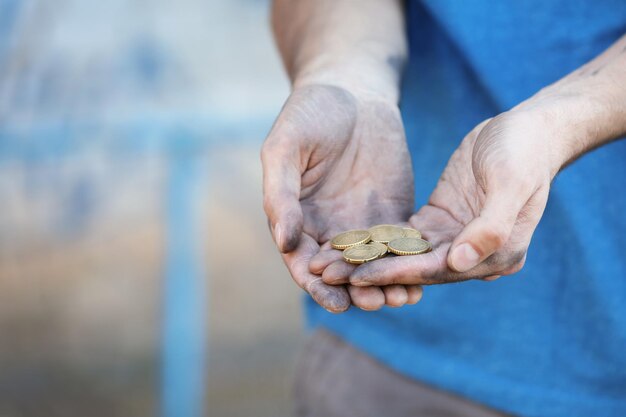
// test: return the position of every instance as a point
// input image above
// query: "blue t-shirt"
(550, 340)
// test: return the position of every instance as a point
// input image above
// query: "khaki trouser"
(333, 379)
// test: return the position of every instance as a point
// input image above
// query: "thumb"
(488, 232)
(281, 191)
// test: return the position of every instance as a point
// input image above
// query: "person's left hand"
(480, 217)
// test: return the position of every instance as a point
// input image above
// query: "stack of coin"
(360, 246)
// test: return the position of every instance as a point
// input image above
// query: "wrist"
(363, 77)
(571, 122)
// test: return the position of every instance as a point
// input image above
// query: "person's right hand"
(335, 161)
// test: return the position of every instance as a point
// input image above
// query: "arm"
(336, 157)
(483, 212)
(359, 45)
(585, 109)
(575, 115)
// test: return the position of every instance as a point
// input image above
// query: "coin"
(350, 238)
(384, 233)
(362, 253)
(409, 246)
(381, 247)
(409, 232)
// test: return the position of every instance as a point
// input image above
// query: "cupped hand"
(482, 214)
(335, 161)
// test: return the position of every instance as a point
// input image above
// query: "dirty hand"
(335, 161)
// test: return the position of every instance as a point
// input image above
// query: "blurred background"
(137, 275)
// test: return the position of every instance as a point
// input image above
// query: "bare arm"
(491, 196)
(336, 157)
(359, 45)
(585, 109)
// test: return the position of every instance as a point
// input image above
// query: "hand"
(483, 212)
(335, 161)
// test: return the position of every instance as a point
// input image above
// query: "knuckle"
(396, 300)
(370, 304)
(435, 278)
(496, 236)
(415, 294)
(267, 205)
(392, 280)
(504, 259)
(516, 267)
(516, 261)
(368, 299)
(331, 298)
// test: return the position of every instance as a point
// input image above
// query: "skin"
(335, 162)
(475, 201)
(484, 210)
(336, 159)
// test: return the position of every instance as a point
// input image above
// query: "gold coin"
(385, 233)
(350, 238)
(410, 232)
(381, 247)
(362, 253)
(409, 246)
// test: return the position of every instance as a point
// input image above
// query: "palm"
(492, 151)
(358, 170)
(334, 162)
(497, 177)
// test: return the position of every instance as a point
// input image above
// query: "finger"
(415, 293)
(323, 258)
(491, 277)
(395, 295)
(333, 298)
(281, 189)
(425, 269)
(409, 270)
(367, 298)
(338, 273)
(488, 232)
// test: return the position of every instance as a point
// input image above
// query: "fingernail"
(464, 257)
(278, 235)
(358, 283)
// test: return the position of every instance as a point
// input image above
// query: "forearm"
(587, 108)
(356, 44)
